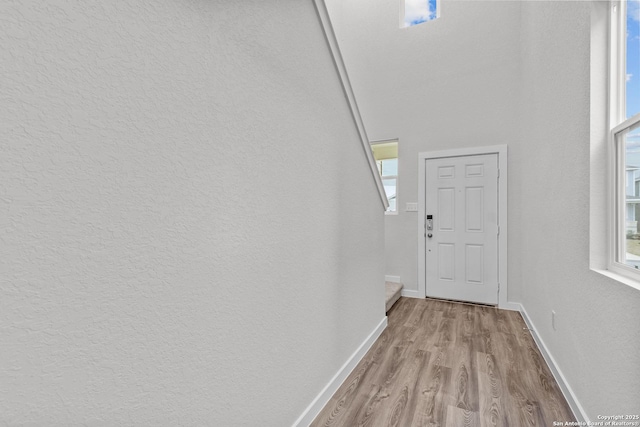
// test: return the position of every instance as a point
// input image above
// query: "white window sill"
(634, 283)
(391, 213)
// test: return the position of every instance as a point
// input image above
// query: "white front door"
(461, 204)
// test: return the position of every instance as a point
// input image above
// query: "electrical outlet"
(553, 319)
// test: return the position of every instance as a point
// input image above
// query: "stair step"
(392, 293)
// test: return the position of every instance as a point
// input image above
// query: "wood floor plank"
(369, 411)
(461, 417)
(434, 393)
(398, 407)
(524, 407)
(415, 386)
(428, 332)
(490, 390)
(465, 379)
(338, 407)
(441, 363)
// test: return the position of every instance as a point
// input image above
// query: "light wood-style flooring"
(441, 363)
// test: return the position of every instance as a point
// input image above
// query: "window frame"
(618, 207)
(394, 177)
(383, 177)
(618, 124)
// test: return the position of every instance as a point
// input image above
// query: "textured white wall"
(189, 230)
(597, 341)
(516, 73)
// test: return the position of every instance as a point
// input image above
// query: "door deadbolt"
(429, 222)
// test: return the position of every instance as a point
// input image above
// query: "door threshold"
(475, 304)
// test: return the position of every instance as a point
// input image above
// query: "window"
(625, 136)
(386, 155)
(414, 12)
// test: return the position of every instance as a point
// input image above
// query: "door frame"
(501, 151)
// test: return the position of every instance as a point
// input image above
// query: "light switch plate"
(412, 207)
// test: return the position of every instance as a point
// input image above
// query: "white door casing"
(461, 204)
(500, 269)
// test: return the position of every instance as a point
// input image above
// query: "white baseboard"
(394, 279)
(578, 410)
(321, 400)
(410, 293)
(512, 306)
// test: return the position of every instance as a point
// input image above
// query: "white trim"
(618, 278)
(615, 106)
(382, 178)
(614, 202)
(617, 62)
(511, 306)
(410, 293)
(422, 286)
(600, 162)
(312, 411)
(394, 279)
(401, 11)
(332, 42)
(501, 151)
(569, 395)
(626, 124)
(617, 206)
(384, 141)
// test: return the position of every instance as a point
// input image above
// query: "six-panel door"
(462, 252)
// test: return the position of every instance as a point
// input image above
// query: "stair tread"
(392, 293)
